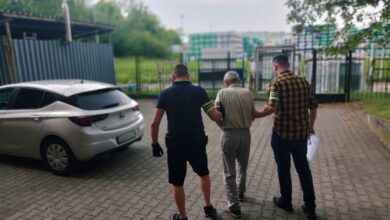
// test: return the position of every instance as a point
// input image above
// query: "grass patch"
(377, 106)
(155, 70)
(144, 93)
(150, 70)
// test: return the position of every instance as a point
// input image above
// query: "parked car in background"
(64, 122)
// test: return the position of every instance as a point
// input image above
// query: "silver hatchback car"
(63, 122)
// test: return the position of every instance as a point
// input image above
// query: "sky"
(221, 15)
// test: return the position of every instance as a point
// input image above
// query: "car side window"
(28, 99)
(48, 99)
(5, 95)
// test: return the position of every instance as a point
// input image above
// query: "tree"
(37, 7)
(372, 17)
(108, 12)
(137, 31)
(78, 9)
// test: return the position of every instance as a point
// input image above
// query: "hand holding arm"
(210, 109)
(271, 106)
(267, 110)
(216, 116)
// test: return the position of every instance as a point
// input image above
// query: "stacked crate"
(219, 40)
(250, 44)
(314, 37)
(198, 42)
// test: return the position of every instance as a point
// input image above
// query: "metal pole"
(97, 38)
(256, 57)
(137, 75)
(181, 59)
(10, 53)
(314, 71)
(261, 70)
(159, 72)
(65, 11)
(348, 77)
(243, 71)
(199, 60)
(382, 63)
(346, 66)
(228, 59)
(293, 61)
(372, 66)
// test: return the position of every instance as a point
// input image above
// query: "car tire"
(58, 157)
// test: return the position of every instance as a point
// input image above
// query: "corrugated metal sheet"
(43, 60)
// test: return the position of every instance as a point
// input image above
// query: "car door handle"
(35, 117)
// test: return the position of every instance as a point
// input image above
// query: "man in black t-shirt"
(186, 139)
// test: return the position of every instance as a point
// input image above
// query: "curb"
(381, 128)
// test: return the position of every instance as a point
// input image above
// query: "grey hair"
(231, 76)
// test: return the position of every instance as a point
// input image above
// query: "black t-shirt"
(183, 102)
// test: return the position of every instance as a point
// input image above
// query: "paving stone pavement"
(351, 177)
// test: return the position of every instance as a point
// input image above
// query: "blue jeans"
(283, 149)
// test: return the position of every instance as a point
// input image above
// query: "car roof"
(63, 87)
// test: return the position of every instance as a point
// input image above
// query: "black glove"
(157, 150)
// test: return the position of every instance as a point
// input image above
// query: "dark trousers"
(283, 149)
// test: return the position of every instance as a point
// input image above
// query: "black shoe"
(278, 201)
(310, 214)
(235, 212)
(210, 211)
(241, 197)
(177, 217)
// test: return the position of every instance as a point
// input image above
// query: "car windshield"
(101, 99)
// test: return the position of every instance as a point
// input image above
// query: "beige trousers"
(235, 145)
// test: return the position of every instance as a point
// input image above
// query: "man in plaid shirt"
(292, 101)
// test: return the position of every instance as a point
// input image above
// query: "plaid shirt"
(292, 96)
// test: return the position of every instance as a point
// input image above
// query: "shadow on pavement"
(22, 162)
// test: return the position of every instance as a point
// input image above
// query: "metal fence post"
(228, 59)
(137, 75)
(314, 71)
(293, 60)
(346, 67)
(243, 72)
(159, 72)
(259, 79)
(348, 77)
(372, 67)
(256, 60)
(198, 67)
(181, 58)
(10, 54)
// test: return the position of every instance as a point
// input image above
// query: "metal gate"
(330, 76)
